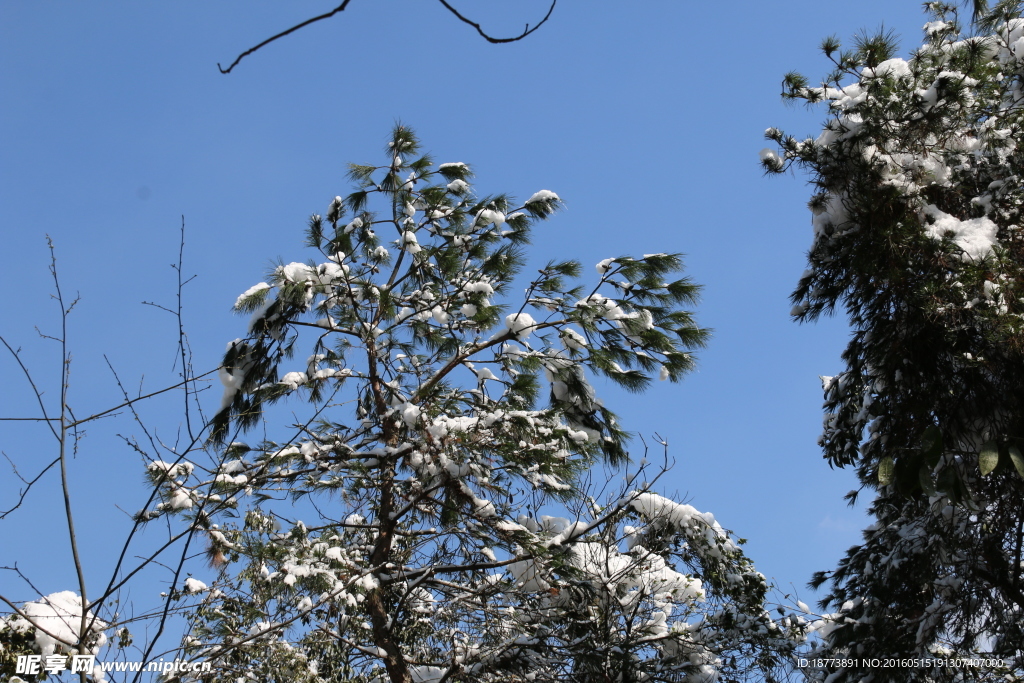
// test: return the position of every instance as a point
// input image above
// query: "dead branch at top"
(341, 8)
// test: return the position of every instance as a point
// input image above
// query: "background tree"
(440, 423)
(103, 611)
(917, 234)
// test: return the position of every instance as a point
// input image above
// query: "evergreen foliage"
(440, 420)
(917, 235)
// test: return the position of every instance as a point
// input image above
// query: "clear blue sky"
(646, 118)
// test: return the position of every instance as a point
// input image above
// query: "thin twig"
(21, 575)
(183, 346)
(35, 390)
(28, 487)
(140, 398)
(67, 425)
(341, 8)
(328, 15)
(491, 39)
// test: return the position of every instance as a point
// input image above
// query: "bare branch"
(129, 402)
(491, 39)
(35, 390)
(328, 15)
(28, 487)
(341, 8)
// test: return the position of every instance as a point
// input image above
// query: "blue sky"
(646, 118)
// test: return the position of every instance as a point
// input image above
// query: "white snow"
(543, 196)
(525, 572)
(179, 499)
(771, 158)
(439, 315)
(297, 272)
(478, 286)
(181, 469)
(57, 619)
(484, 373)
(684, 517)
(975, 236)
(490, 217)
(603, 306)
(294, 379)
(232, 380)
(410, 414)
(895, 67)
(426, 674)
(410, 244)
(572, 339)
(830, 216)
(258, 287)
(520, 324)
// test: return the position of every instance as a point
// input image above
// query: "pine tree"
(916, 216)
(441, 421)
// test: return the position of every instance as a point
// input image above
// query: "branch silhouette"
(341, 8)
(282, 34)
(491, 39)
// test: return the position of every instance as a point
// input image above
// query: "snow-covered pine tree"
(917, 233)
(439, 423)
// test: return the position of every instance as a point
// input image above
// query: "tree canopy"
(432, 492)
(443, 419)
(916, 235)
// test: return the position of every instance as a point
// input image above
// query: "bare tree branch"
(293, 29)
(491, 39)
(28, 486)
(35, 390)
(67, 427)
(341, 8)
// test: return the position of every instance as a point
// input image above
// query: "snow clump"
(520, 324)
(57, 619)
(975, 236)
(543, 196)
(258, 287)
